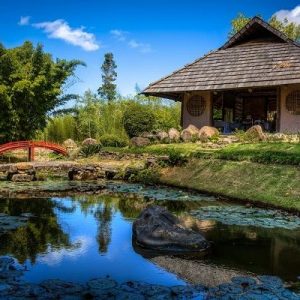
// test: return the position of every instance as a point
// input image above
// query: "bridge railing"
(30, 145)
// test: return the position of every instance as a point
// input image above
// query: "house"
(254, 78)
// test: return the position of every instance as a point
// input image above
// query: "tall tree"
(290, 29)
(109, 75)
(31, 86)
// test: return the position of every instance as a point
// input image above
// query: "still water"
(83, 237)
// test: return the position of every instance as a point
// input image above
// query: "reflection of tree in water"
(41, 232)
(102, 207)
(104, 214)
(131, 207)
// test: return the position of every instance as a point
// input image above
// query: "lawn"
(161, 149)
(265, 153)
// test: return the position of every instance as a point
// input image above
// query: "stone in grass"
(189, 133)
(208, 132)
(174, 135)
(162, 135)
(139, 141)
(22, 178)
(89, 141)
(83, 173)
(255, 133)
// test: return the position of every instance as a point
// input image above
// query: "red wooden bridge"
(31, 145)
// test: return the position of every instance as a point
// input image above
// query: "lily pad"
(157, 193)
(242, 216)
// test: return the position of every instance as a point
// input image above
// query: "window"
(195, 105)
(293, 102)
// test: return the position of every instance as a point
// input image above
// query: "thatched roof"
(257, 56)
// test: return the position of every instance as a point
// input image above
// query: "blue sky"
(148, 38)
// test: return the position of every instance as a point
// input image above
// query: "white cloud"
(60, 29)
(24, 21)
(292, 15)
(119, 34)
(144, 48)
(122, 36)
(54, 257)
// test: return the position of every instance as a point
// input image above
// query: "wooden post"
(31, 153)
(182, 110)
(278, 116)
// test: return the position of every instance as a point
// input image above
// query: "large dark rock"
(157, 229)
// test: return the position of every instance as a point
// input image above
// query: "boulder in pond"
(157, 229)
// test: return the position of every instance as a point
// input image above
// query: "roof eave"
(176, 96)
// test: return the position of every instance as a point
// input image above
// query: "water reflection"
(41, 234)
(103, 215)
(78, 238)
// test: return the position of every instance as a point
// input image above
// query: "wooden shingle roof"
(257, 56)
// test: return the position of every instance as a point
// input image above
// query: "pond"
(87, 236)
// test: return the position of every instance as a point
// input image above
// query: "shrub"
(176, 158)
(89, 141)
(241, 135)
(146, 176)
(112, 140)
(138, 119)
(214, 138)
(89, 150)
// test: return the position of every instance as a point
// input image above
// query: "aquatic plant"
(243, 216)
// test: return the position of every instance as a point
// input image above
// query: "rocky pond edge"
(12, 286)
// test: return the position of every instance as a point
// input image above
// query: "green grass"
(264, 172)
(276, 185)
(265, 153)
(160, 149)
